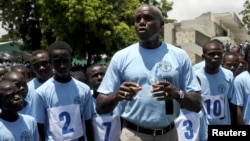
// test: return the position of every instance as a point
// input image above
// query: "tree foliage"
(92, 27)
(246, 15)
(20, 19)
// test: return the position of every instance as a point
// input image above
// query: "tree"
(21, 19)
(91, 27)
(246, 15)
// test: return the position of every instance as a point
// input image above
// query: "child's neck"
(9, 116)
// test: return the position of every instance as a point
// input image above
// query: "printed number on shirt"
(65, 122)
(106, 127)
(214, 106)
(188, 125)
(65, 116)
(189, 133)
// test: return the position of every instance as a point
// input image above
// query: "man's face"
(95, 76)
(18, 79)
(40, 66)
(231, 62)
(147, 23)
(242, 63)
(61, 62)
(213, 55)
(11, 99)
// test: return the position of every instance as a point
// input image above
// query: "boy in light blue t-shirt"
(15, 126)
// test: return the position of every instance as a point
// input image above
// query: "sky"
(2, 31)
(190, 9)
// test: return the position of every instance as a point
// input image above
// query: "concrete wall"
(191, 35)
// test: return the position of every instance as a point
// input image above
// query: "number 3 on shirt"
(188, 126)
(189, 134)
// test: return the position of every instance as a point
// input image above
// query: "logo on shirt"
(222, 88)
(26, 136)
(165, 66)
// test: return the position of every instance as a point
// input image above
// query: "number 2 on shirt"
(65, 122)
(65, 116)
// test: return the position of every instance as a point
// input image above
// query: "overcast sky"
(190, 9)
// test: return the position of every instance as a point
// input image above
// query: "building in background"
(191, 35)
(10, 51)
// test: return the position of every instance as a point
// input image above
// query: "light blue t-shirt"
(215, 91)
(106, 126)
(27, 110)
(198, 65)
(241, 94)
(53, 94)
(24, 129)
(187, 125)
(145, 67)
(34, 84)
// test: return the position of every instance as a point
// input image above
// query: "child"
(20, 82)
(62, 103)
(14, 126)
(106, 126)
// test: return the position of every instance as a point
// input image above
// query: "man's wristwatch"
(181, 94)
